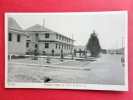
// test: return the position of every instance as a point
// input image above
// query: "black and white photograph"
(78, 50)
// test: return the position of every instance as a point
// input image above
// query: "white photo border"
(68, 85)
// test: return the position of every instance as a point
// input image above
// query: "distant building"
(45, 40)
(16, 38)
(116, 51)
(120, 51)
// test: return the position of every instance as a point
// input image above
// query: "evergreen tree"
(93, 45)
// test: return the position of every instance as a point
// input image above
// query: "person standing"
(83, 55)
(52, 52)
(80, 51)
(75, 52)
(123, 60)
(61, 54)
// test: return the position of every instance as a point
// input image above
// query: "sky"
(109, 27)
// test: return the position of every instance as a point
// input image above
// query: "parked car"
(104, 51)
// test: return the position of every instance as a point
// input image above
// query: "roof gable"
(38, 28)
(12, 24)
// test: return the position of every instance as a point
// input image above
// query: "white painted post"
(41, 60)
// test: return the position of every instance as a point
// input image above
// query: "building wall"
(52, 36)
(32, 36)
(52, 45)
(15, 47)
(63, 39)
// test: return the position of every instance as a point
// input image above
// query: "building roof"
(38, 28)
(42, 30)
(12, 24)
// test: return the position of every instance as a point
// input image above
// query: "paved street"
(107, 69)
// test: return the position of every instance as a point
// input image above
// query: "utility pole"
(72, 47)
(122, 42)
(43, 22)
(116, 46)
(113, 49)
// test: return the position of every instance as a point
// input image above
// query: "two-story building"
(16, 38)
(46, 40)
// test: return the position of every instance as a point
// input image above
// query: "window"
(37, 37)
(56, 46)
(56, 36)
(67, 47)
(46, 45)
(27, 45)
(36, 46)
(18, 38)
(62, 46)
(59, 46)
(47, 35)
(10, 37)
(36, 34)
(60, 37)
